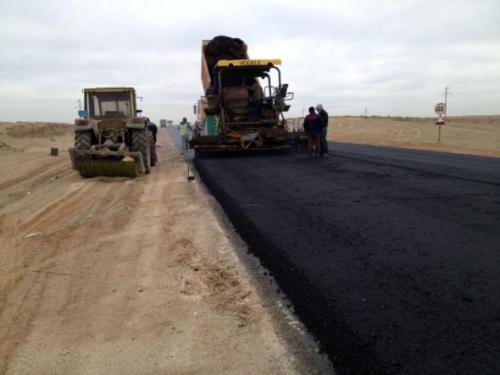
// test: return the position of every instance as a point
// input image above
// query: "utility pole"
(441, 112)
(445, 100)
(439, 133)
(445, 110)
(366, 112)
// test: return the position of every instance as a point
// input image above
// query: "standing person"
(313, 127)
(324, 122)
(184, 128)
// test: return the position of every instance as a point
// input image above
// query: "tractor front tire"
(83, 140)
(140, 142)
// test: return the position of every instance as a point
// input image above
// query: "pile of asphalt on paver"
(224, 48)
(390, 259)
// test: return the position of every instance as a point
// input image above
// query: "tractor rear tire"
(152, 149)
(140, 143)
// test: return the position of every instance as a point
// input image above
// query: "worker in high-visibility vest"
(184, 129)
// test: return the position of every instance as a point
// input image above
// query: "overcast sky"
(395, 57)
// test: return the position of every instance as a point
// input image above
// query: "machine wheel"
(83, 140)
(152, 149)
(140, 143)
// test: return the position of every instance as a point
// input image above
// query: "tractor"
(111, 138)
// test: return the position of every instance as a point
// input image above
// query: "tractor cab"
(109, 103)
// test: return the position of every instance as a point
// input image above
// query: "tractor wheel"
(152, 149)
(83, 140)
(140, 143)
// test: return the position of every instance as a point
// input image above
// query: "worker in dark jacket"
(313, 128)
(324, 122)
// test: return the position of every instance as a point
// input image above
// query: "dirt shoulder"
(124, 276)
(479, 135)
(470, 135)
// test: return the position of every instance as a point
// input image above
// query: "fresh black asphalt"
(390, 257)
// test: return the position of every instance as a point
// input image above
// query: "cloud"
(396, 58)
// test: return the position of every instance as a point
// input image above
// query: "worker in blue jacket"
(313, 128)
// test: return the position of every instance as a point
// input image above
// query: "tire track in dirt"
(130, 276)
(62, 234)
(37, 175)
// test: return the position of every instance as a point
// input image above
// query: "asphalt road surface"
(390, 257)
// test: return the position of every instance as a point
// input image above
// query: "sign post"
(440, 109)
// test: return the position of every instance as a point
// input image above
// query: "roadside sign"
(440, 120)
(440, 109)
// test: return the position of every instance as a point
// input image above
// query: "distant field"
(34, 136)
(476, 135)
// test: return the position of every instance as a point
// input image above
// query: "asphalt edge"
(347, 354)
(287, 325)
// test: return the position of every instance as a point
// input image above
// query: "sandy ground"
(121, 276)
(474, 135)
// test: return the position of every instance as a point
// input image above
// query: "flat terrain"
(475, 135)
(121, 276)
(389, 256)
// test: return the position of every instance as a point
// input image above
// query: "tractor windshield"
(110, 104)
